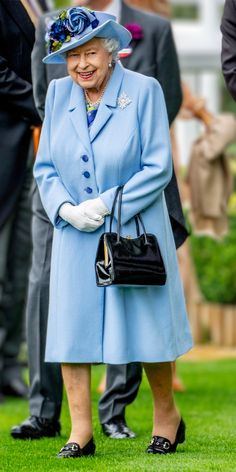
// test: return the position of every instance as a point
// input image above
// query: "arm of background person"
(168, 73)
(228, 54)
(17, 94)
(39, 78)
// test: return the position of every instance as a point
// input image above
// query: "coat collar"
(109, 101)
(127, 16)
(126, 13)
(78, 116)
(77, 108)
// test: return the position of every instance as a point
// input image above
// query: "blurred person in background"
(228, 54)
(162, 7)
(152, 53)
(18, 115)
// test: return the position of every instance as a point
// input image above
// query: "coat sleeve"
(52, 191)
(168, 73)
(145, 186)
(228, 53)
(17, 93)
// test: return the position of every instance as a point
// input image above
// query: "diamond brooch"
(123, 101)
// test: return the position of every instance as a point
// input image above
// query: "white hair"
(112, 46)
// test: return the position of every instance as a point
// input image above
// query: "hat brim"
(109, 29)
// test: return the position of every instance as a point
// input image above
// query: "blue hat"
(76, 26)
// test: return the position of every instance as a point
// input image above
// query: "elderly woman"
(105, 127)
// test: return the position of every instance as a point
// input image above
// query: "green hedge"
(215, 264)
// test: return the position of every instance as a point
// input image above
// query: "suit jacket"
(17, 109)
(228, 53)
(154, 56)
(74, 164)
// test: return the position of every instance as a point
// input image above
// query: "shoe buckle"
(74, 447)
(166, 445)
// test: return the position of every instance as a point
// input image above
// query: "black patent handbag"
(125, 261)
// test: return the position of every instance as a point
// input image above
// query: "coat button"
(84, 158)
(88, 190)
(86, 174)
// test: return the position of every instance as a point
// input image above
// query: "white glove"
(94, 209)
(76, 217)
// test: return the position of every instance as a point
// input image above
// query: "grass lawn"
(208, 407)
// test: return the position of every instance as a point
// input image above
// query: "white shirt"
(114, 9)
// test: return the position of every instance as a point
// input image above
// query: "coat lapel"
(78, 115)
(109, 101)
(127, 16)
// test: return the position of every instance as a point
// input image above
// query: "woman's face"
(88, 65)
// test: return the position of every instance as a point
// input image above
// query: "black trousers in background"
(122, 386)
(15, 255)
(45, 394)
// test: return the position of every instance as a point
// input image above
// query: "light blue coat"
(128, 146)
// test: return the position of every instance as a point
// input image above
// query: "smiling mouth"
(86, 75)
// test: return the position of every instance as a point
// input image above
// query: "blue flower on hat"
(58, 31)
(78, 21)
(69, 23)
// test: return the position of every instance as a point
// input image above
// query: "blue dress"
(127, 144)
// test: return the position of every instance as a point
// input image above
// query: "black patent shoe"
(160, 445)
(73, 450)
(36, 427)
(117, 429)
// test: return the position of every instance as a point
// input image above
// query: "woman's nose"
(82, 63)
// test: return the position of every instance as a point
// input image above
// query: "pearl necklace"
(98, 101)
(89, 102)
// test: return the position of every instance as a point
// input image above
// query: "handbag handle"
(138, 218)
(118, 190)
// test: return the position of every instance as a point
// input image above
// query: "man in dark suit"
(153, 53)
(228, 54)
(17, 115)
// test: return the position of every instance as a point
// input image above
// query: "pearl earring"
(110, 64)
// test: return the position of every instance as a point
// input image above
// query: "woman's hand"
(76, 216)
(94, 209)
